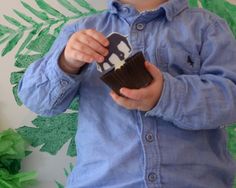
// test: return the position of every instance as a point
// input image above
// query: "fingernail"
(106, 43)
(100, 59)
(106, 53)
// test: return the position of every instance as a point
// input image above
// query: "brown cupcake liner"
(132, 74)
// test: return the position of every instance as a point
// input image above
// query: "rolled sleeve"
(45, 88)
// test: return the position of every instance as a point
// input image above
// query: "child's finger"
(153, 70)
(124, 102)
(97, 36)
(92, 43)
(134, 94)
(84, 49)
(81, 57)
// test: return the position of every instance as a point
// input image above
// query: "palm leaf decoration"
(66, 173)
(34, 32)
(52, 133)
(49, 17)
(35, 37)
(222, 8)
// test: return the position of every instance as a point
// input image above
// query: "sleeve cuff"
(57, 73)
(168, 106)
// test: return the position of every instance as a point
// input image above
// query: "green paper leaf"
(49, 9)
(2, 40)
(72, 148)
(13, 21)
(27, 153)
(44, 31)
(66, 172)
(59, 185)
(58, 29)
(69, 6)
(27, 40)
(15, 93)
(47, 130)
(86, 5)
(5, 29)
(25, 43)
(74, 105)
(23, 61)
(42, 43)
(231, 130)
(39, 14)
(25, 17)
(234, 183)
(231, 7)
(221, 8)
(16, 76)
(43, 46)
(71, 167)
(193, 3)
(12, 43)
(1, 34)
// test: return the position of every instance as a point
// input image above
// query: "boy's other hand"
(83, 47)
(143, 99)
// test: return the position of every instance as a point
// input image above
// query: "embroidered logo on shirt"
(190, 62)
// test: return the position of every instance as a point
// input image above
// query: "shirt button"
(64, 82)
(126, 10)
(149, 137)
(152, 177)
(140, 26)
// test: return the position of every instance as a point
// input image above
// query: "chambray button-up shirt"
(181, 142)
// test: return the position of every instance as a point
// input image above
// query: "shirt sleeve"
(45, 89)
(207, 100)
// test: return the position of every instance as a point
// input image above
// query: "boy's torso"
(118, 148)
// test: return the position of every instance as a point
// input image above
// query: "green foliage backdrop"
(35, 38)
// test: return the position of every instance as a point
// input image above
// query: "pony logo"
(119, 50)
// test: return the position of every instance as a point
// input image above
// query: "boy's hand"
(83, 47)
(143, 99)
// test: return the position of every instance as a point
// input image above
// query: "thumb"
(153, 70)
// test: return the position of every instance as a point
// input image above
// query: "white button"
(152, 177)
(64, 82)
(126, 9)
(140, 26)
(149, 137)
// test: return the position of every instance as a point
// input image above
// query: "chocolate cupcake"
(119, 69)
(132, 74)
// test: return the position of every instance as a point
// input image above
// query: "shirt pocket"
(177, 61)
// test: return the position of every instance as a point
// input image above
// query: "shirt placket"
(149, 130)
(149, 136)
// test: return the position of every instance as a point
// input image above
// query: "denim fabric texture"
(181, 142)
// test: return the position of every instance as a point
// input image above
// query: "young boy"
(169, 134)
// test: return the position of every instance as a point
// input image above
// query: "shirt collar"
(172, 8)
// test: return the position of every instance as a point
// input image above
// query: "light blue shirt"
(181, 142)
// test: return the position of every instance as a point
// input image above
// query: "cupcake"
(132, 74)
(119, 69)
